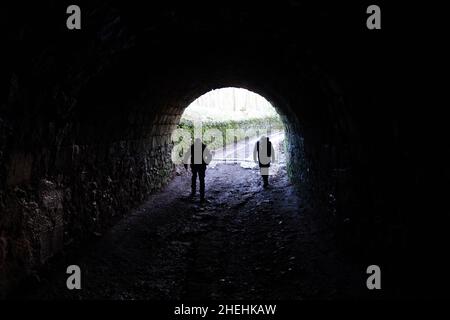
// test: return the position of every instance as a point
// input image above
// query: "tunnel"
(87, 115)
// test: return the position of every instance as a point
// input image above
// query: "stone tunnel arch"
(87, 118)
(114, 149)
(298, 165)
(304, 114)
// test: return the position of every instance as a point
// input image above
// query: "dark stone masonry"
(86, 118)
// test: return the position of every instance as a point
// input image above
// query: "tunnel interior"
(86, 117)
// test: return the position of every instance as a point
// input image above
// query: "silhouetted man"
(264, 154)
(200, 157)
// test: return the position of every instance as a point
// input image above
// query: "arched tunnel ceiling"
(298, 55)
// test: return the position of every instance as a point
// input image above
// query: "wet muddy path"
(246, 242)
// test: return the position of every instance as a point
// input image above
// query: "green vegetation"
(238, 128)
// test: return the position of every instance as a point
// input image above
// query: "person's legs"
(265, 175)
(265, 180)
(201, 176)
(194, 182)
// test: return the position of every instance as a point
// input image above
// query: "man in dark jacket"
(264, 154)
(198, 156)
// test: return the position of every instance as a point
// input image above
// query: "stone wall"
(95, 185)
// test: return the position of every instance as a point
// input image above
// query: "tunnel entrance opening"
(229, 121)
(235, 125)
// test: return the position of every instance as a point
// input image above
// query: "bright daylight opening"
(230, 121)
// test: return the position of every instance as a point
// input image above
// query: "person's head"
(263, 138)
(197, 141)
